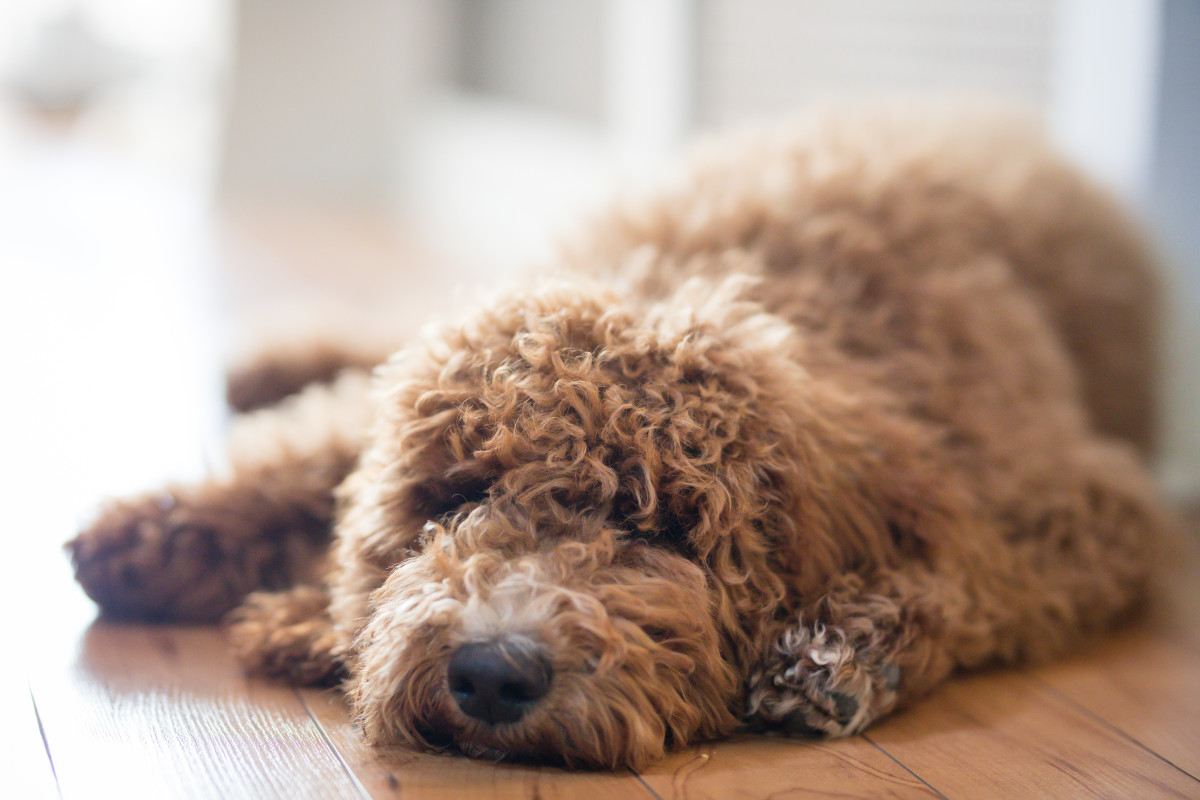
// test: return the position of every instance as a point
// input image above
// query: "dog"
(843, 406)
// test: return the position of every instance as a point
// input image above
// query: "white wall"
(1174, 205)
(546, 53)
(1125, 102)
(318, 90)
(767, 57)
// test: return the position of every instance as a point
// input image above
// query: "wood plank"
(397, 772)
(1174, 610)
(1142, 684)
(1145, 680)
(159, 712)
(388, 277)
(766, 767)
(1003, 735)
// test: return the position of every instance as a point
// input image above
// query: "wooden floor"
(116, 389)
(99, 709)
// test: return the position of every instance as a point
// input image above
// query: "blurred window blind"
(758, 57)
(545, 53)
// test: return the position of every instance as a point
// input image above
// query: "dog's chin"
(440, 740)
(526, 744)
(487, 748)
(484, 752)
(548, 738)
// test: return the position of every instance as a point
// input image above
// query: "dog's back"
(870, 203)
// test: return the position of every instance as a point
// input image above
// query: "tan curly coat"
(835, 412)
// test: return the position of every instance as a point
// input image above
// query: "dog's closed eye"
(437, 498)
(673, 533)
(669, 532)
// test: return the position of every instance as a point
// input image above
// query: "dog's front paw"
(149, 558)
(815, 682)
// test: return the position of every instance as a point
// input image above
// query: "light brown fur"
(836, 412)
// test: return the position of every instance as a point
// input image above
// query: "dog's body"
(835, 414)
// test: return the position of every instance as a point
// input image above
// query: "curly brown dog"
(844, 407)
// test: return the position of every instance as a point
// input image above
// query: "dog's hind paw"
(814, 682)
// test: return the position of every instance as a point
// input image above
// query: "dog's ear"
(770, 468)
(705, 380)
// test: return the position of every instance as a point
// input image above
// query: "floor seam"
(649, 788)
(45, 742)
(904, 766)
(336, 752)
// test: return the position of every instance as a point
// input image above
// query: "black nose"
(497, 681)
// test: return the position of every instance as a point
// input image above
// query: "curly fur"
(845, 406)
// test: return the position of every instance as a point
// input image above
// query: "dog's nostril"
(496, 681)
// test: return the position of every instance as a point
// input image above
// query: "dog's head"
(575, 505)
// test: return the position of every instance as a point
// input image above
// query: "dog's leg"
(1072, 558)
(1082, 544)
(860, 652)
(191, 553)
(288, 635)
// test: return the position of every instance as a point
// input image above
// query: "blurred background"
(175, 175)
